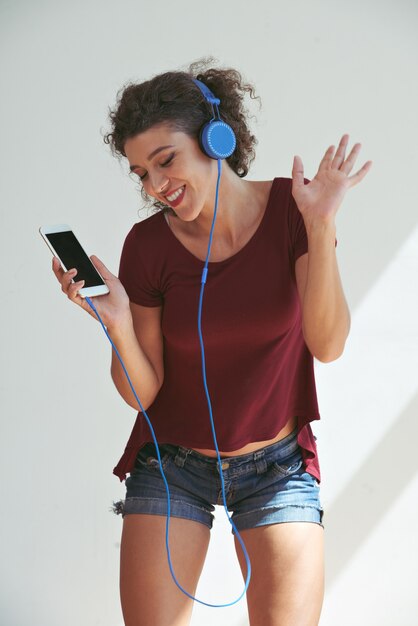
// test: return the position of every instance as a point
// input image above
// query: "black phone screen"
(72, 255)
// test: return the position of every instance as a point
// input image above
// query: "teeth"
(176, 194)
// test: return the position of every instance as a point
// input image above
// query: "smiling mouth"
(175, 198)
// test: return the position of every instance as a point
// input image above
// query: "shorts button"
(225, 465)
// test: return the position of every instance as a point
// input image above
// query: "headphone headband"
(216, 137)
(206, 92)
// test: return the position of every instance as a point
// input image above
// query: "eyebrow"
(156, 151)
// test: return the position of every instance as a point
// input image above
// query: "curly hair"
(173, 98)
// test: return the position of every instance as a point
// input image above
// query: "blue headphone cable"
(199, 324)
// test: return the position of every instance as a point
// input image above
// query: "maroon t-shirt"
(259, 370)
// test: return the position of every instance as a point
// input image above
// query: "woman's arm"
(139, 342)
(326, 316)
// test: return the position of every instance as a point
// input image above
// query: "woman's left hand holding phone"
(113, 307)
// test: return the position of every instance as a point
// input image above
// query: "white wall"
(322, 68)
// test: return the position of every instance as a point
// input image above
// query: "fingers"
(66, 279)
(356, 178)
(68, 287)
(340, 154)
(71, 288)
(339, 160)
(74, 288)
(297, 171)
(351, 159)
(56, 267)
(101, 267)
(326, 159)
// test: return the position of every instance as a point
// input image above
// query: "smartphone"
(64, 244)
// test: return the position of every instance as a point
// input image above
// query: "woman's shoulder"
(264, 187)
(148, 227)
(272, 191)
(145, 237)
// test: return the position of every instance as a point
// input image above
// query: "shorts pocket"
(147, 458)
(292, 465)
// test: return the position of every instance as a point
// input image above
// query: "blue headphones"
(216, 137)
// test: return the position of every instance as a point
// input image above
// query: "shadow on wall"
(373, 490)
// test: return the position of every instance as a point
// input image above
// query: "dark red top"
(259, 370)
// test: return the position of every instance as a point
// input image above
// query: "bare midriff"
(252, 447)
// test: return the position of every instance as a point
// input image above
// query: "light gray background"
(322, 68)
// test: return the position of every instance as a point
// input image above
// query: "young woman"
(273, 301)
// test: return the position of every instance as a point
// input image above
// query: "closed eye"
(165, 164)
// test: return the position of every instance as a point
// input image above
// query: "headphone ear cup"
(217, 139)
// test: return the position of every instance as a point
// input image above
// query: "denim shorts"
(268, 486)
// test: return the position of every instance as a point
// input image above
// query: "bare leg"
(149, 596)
(287, 573)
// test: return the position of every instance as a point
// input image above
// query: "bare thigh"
(287, 573)
(149, 596)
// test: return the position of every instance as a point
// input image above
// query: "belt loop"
(260, 461)
(181, 456)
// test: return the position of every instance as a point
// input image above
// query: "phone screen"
(72, 255)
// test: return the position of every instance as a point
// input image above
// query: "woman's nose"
(160, 185)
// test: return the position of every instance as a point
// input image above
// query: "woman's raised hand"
(113, 307)
(319, 200)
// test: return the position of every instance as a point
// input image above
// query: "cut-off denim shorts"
(268, 486)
